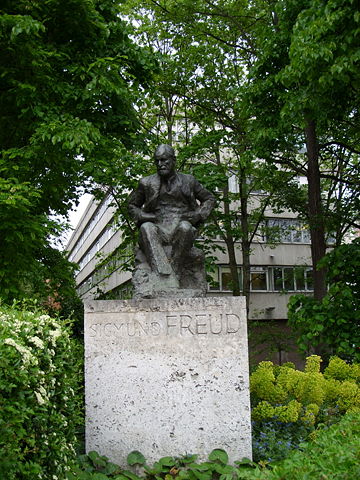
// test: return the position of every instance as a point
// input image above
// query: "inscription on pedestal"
(167, 377)
(179, 324)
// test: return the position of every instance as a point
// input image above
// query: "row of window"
(284, 230)
(101, 273)
(287, 230)
(97, 246)
(93, 222)
(265, 279)
(262, 279)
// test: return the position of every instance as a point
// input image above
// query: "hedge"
(40, 405)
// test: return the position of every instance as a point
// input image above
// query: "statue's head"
(165, 160)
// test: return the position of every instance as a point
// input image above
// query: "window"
(97, 246)
(258, 279)
(309, 279)
(265, 279)
(233, 183)
(286, 230)
(300, 278)
(225, 274)
(103, 206)
(221, 279)
(283, 278)
(293, 279)
(214, 284)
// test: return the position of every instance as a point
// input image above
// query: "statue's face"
(165, 164)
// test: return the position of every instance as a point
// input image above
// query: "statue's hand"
(193, 217)
(147, 217)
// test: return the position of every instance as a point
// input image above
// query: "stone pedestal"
(167, 377)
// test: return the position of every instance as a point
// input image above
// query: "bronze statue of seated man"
(168, 208)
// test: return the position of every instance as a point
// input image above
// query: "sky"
(75, 216)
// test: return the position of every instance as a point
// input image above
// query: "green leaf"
(224, 469)
(99, 476)
(226, 476)
(130, 475)
(125, 476)
(202, 475)
(135, 458)
(219, 455)
(188, 459)
(167, 461)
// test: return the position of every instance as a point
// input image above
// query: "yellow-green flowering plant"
(289, 404)
(276, 390)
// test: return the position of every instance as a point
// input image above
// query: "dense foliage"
(288, 404)
(40, 412)
(334, 323)
(40, 407)
(332, 455)
(302, 93)
(260, 80)
(69, 74)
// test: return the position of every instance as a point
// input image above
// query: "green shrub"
(286, 394)
(288, 404)
(332, 455)
(39, 400)
(332, 324)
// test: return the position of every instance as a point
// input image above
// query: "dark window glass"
(258, 281)
(214, 285)
(309, 280)
(288, 278)
(226, 280)
(300, 278)
(278, 279)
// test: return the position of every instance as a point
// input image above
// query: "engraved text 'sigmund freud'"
(174, 324)
(169, 207)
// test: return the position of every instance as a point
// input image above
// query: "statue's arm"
(206, 199)
(207, 203)
(135, 203)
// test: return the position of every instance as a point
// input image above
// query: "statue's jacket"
(145, 197)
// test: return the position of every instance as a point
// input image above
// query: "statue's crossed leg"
(151, 244)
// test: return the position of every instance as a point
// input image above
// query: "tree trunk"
(230, 245)
(315, 212)
(169, 120)
(229, 238)
(245, 244)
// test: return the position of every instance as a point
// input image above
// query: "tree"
(204, 78)
(239, 72)
(333, 323)
(303, 92)
(68, 76)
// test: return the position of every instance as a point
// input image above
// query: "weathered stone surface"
(167, 377)
(189, 281)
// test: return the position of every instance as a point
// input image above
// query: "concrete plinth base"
(167, 377)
